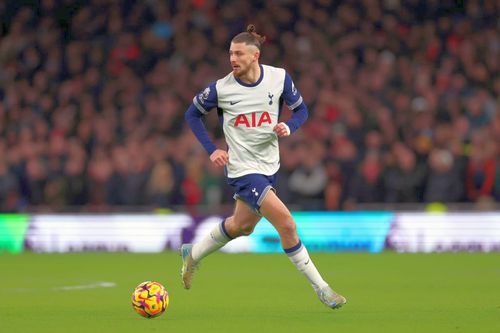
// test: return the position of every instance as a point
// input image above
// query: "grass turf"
(388, 292)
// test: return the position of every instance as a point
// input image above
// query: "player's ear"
(256, 55)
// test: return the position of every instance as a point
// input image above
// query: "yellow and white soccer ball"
(150, 299)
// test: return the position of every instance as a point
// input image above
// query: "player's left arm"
(294, 101)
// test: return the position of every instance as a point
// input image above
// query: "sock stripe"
(223, 229)
(291, 251)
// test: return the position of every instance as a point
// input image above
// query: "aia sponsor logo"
(255, 119)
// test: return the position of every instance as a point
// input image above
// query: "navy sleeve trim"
(198, 106)
(296, 104)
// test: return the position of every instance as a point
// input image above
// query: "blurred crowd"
(404, 101)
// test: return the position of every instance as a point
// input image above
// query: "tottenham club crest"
(204, 95)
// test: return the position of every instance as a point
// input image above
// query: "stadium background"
(401, 153)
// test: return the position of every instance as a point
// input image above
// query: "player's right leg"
(243, 220)
(280, 217)
(330, 298)
(241, 223)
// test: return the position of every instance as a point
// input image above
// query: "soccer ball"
(150, 299)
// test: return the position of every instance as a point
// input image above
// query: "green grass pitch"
(388, 292)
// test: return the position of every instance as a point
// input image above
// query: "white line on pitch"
(86, 286)
(65, 288)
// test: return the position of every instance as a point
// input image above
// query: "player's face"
(242, 58)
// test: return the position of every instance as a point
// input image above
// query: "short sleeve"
(207, 99)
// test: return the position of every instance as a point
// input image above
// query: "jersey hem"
(249, 172)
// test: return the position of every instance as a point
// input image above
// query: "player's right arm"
(202, 104)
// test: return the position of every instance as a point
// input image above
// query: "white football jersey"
(249, 113)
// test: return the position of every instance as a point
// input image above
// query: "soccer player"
(249, 100)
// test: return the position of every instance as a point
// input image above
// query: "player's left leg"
(280, 217)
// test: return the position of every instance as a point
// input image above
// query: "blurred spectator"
(8, 189)
(443, 182)
(160, 185)
(212, 184)
(366, 186)
(481, 169)
(307, 182)
(404, 179)
(99, 173)
(75, 182)
(36, 174)
(334, 186)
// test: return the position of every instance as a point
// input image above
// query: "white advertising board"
(132, 233)
(424, 232)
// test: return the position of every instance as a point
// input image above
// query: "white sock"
(300, 258)
(216, 239)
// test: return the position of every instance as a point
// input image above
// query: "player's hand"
(219, 157)
(282, 130)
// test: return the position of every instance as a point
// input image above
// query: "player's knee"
(288, 225)
(246, 229)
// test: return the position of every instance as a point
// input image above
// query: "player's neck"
(252, 76)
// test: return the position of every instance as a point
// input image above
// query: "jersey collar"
(252, 84)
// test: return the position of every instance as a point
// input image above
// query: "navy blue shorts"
(252, 189)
